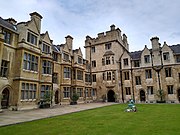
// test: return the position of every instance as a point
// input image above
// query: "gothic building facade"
(31, 66)
(148, 76)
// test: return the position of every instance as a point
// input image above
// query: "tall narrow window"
(4, 68)
(150, 90)
(46, 65)
(108, 46)
(7, 37)
(108, 76)
(55, 78)
(94, 77)
(148, 73)
(168, 72)
(80, 92)
(166, 56)
(55, 56)
(103, 74)
(147, 59)
(103, 62)
(125, 62)
(128, 90)
(79, 75)
(66, 92)
(108, 61)
(93, 63)
(138, 80)
(170, 89)
(113, 75)
(93, 49)
(67, 72)
(79, 60)
(126, 75)
(112, 60)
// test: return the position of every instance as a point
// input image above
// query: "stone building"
(151, 75)
(32, 66)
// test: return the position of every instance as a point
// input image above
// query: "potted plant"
(74, 98)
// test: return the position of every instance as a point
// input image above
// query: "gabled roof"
(7, 25)
(175, 48)
(136, 55)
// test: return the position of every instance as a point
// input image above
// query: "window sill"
(30, 71)
(27, 100)
(4, 78)
(47, 75)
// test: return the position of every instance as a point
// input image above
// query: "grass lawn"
(151, 119)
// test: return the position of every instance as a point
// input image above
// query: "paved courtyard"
(14, 117)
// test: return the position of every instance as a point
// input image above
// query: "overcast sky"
(138, 19)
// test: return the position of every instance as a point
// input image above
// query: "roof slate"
(175, 48)
(7, 24)
(136, 55)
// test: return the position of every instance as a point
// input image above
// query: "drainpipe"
(132, 81)
(120, 66)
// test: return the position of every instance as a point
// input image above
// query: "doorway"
(56, 97)
(142, 96)
(5, 99)
(110, 96)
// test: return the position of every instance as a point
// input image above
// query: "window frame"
(168, 71)
(4, 68)
(170, 89)
(146, 58)
(148, 73)
(32, 38)
(47, 67)
(138, 80)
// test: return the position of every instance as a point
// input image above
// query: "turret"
(155, 43)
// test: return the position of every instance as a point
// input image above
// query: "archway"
(110, 96)
(5, 99)
(178, 94)
(56, 97)
(142, 96)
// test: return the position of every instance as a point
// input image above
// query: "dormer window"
(31, 38)
(108, 46)
(79, 60)
(147, 59)
(178, 59)
(166, 56)
(65, 56)
(7, 37)
(125, 62)
(46, 48)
